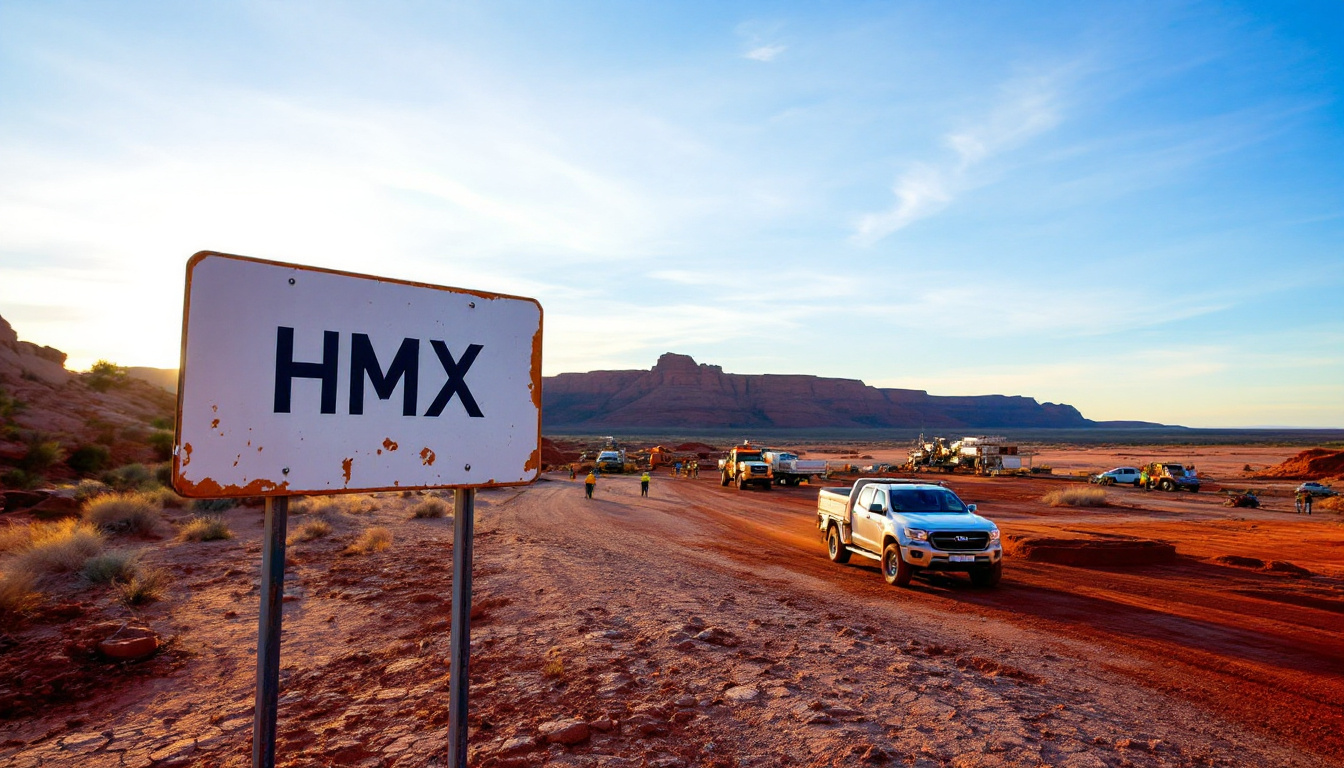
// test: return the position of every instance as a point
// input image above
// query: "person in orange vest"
(589, 483)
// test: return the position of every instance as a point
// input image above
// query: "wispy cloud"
(765, 52)
(761, 40)
(1026, 109)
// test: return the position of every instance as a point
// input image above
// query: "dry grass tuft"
(430, 507)
(166, 498)
(311, 529)
(17, 594)
(372, 540)
(1076, 497)
(115, 566)
(57, 547)
(14, 537)
(1332, 503)
(554, 668)
(125, 513)
(205, 528)
(145, 587)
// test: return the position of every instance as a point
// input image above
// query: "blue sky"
(1134, 208)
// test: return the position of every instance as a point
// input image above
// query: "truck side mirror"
(876, 507)
(970, 508)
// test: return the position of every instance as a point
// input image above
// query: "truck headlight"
(994, 535)
(914, 534)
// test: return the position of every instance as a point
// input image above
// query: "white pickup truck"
(789, 469)
(909, 527)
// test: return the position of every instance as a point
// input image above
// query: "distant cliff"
(680, 393)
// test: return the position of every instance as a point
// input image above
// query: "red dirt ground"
(705, 626)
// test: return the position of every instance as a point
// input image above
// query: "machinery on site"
(611, 459)
(744, 466)
(982, 454)
(788, 469)
(1167, 476)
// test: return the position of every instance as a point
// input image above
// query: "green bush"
(131, 477)
(19, 480)
(145, 587)
(104, 375)
(163, 422)
(87, 489)
(205, 528)
(88, 459)
(57, 547)
(163, 474)
(213, 505)
(162, 444)
(125, 513)
(109, 567)
(41, 455)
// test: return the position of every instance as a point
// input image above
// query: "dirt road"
(704, 626)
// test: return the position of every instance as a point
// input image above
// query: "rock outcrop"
(680, 393)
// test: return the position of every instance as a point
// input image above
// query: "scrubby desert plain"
(704, 626)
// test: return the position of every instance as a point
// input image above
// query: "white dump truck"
(909, 527)
(789, 469)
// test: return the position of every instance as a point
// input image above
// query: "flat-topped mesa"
(679, 393)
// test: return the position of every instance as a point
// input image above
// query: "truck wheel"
(835, 548)
(988, 576)
(724, 479)
(1166, 485)
(895, 570)
(1194, 489)
(1138, 484)
(768, 485)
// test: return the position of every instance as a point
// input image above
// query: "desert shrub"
(144, 587)
(14, 537)
(17, 593)
(114, 566)
(20, 480)
(41, 455)
(131, 477)
(87, 489)
(213, 505)
(205, 528)
(104, 375)
(163, 474)
(1076, 497)
(554, 668)
(57, 547)
(162, 444)
(359, 505)
(309, 530)
(124, 513)
(88, 459)
(374, 539)
(163, 422)
(9, 407)
(430, 507)
(166, 498)
(1332, 503)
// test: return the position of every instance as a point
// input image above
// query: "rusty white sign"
(297, 380)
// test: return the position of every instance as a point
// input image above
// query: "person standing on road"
(1297, 502)
(589, 483)
(644, 484)
(1306, 501)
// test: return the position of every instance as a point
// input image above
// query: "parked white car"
(1119, 475)
(1316, 489)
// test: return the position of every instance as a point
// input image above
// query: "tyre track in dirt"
(831, 637)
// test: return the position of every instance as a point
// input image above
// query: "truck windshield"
(748, 456)
(925, 500)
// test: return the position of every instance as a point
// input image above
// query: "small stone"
(569, 731)
(602, 724)
(685, 701)
(717, 636)
(518, 745)
(741, 694)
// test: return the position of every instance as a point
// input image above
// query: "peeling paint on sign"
(427, 457)
(389, 445)
(345, 469)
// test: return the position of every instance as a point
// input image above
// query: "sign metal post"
(268, 632)
(459, 642)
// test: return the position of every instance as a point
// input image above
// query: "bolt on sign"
(297, 380)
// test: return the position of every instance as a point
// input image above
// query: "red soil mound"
(555, 455)
(1313, 464)
(696, 448)
(1091, 552)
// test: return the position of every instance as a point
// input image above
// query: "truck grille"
(959, 541)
